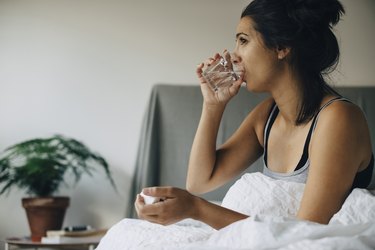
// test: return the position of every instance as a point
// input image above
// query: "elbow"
(198, 187)
(193, 188)
(190, 187)
(190, 184)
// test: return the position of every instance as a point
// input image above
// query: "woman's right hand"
(222, 95)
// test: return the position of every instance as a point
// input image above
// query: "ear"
(282, 52)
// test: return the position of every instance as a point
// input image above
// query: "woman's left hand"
(179, 204)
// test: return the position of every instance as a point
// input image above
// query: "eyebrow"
(241, 33)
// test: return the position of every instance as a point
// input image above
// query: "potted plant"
(39, 166)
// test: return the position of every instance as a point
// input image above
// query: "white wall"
(356, 35)
(85, 69)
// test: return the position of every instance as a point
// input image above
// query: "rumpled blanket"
(272, 206)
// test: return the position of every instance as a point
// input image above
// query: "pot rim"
(51, 201)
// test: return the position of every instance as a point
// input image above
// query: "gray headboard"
(170, 123)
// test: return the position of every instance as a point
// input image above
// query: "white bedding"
(272, 205)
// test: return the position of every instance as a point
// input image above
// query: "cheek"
(258, 67)
(252, 69)
(251, 61)
(257, 74)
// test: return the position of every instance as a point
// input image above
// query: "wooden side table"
(22, 243)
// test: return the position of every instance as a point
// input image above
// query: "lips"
(239, 70)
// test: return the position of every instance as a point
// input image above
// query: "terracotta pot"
(45, 213)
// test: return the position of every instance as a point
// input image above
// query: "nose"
(235, 58)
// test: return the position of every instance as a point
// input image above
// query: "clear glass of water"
(220, 74)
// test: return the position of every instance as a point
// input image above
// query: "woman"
(305, 131)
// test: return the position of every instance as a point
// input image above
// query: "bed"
(167, 133)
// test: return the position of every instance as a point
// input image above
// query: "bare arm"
(215, 215)
(209, 167)
(203, 152)
(233, 156)
(180, 204)
(339, 148)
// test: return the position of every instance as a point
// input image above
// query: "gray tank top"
(301, 171)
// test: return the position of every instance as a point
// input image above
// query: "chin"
(250, 86)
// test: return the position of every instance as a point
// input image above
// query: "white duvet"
(271, 205)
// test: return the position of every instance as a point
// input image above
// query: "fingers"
(156, 213)
(216, 83)
(174, 208)
(228, 58)
(205, 66)
(209, 61)
(233, 90)
(138, 204)
(144, 211)
(214, 58)
(199, 70)
(153, 209)
(167, 192)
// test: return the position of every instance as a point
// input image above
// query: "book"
(79, 233)
(60, 239)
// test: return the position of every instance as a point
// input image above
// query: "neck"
(288, 96)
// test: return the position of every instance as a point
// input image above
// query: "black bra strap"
(267, 128)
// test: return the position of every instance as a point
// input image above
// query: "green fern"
(39, 165)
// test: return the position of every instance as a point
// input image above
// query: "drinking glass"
(220, 74)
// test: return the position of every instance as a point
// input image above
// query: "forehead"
(246, 26)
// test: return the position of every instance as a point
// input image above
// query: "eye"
(241, 40)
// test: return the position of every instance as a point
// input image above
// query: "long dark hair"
(305, 26)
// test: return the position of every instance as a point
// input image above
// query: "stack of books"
(73, 235)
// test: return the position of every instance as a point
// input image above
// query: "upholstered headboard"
(170, 123)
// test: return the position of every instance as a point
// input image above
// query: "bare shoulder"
(345, 125)
(345, 116)
(343, 108)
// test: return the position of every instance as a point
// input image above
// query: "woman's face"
(261, 65)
